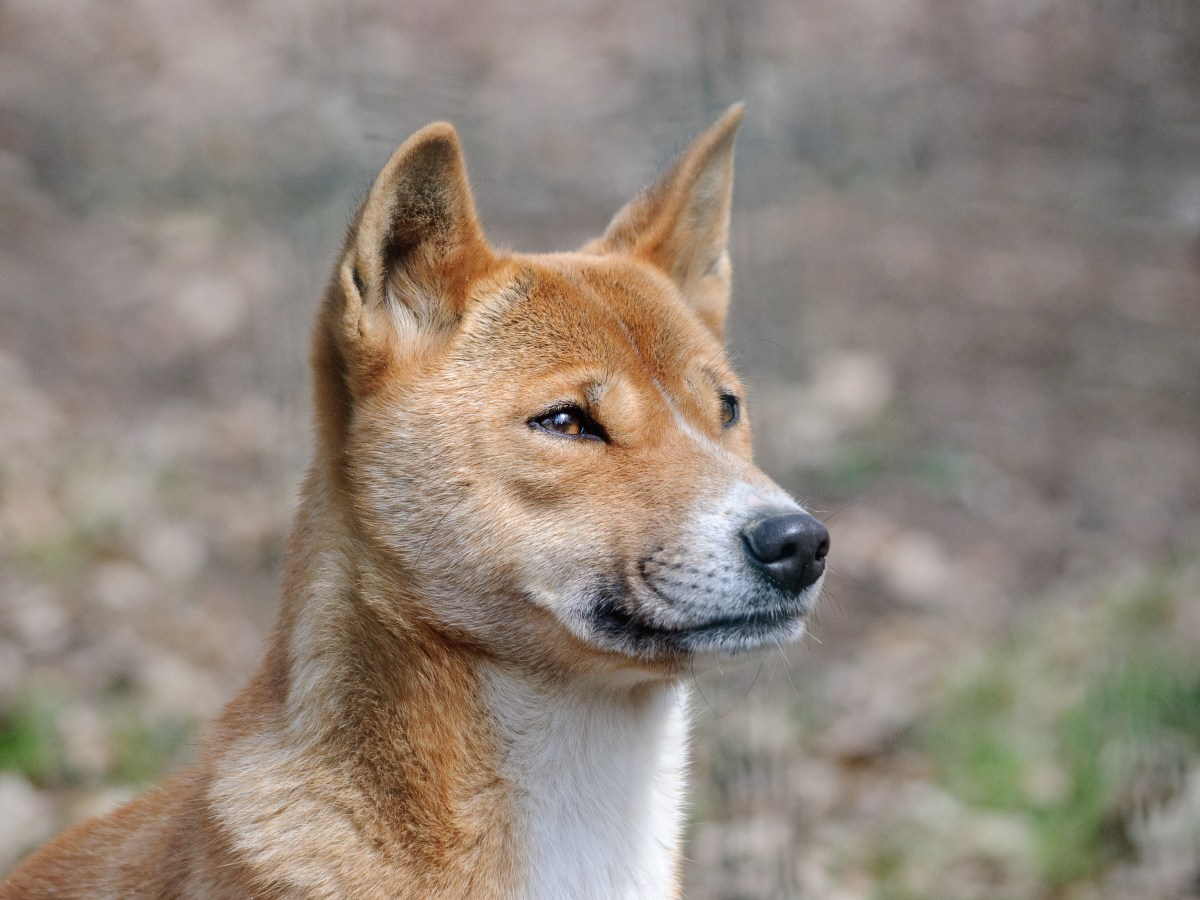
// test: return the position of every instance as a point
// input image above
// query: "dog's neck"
(599, 777)
(562, 788)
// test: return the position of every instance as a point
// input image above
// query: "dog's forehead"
(592, 309)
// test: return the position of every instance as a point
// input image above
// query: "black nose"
(789, 549)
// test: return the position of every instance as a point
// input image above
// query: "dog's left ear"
(681, 222)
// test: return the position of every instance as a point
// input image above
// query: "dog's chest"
(599, 786)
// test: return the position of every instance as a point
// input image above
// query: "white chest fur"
(600, 777)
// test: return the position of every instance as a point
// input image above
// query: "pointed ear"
(681, 222)
(417, 241)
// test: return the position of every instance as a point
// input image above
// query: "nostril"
(823, 548)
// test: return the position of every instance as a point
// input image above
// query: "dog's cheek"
(543, 536)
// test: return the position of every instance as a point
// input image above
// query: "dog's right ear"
(415, 246)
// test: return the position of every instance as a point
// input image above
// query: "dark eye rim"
(591, 430)
(732, 401)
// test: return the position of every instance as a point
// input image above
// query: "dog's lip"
(662, 627)
(757, 620)
(748, 622)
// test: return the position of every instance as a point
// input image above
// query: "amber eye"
(731, 410)
(565, 421)
(569, 421)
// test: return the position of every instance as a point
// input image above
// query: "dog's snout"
(789, 549)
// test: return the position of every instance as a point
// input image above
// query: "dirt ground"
(966, 246)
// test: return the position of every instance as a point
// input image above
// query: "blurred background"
(966, 246)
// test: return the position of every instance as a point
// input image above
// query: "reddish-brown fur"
(361, 760)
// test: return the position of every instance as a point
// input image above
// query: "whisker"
(438, 525)
(839, 510)
(700, 690)
(787, 668)
(747, 694)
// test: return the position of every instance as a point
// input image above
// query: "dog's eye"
(565, 421)
(731, 410)
(569, 421)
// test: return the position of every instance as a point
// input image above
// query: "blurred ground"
(967, 279)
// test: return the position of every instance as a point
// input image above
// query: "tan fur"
(435, 532)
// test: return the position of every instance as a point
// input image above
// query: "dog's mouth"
(727, 632)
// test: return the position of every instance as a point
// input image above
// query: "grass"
(29, 741)
(67, 553)
(1075, 726)
(144, 752)
(32, 743)
(859, 463)
(854, 466)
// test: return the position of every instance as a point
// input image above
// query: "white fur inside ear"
(407, 326)
(391, 318)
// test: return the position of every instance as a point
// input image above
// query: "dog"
(531, 510)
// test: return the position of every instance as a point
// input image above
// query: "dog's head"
(548, 456)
